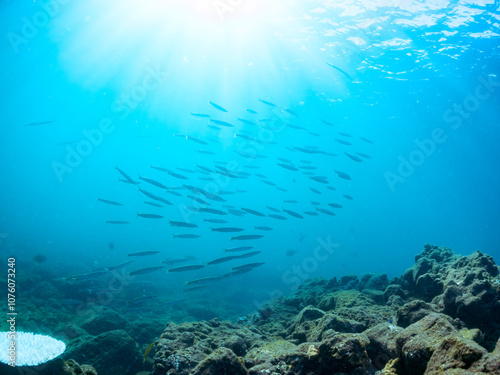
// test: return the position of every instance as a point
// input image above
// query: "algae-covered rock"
(343, 352)
(182, 347)
(146, 330)
(368, 316)
(328, 302)
(302, 324)
(54, 367)
(473, 334)
(331, 321)
(374, 281)
(349, 280)
(463, 287)
(417, 343)
(309, 313)
(237, 345)
(106, 320)
(268, 353)
(311, 323)
(383, 344)
(113, 352)
(73, 368)
(351, 298)
(497, 348)
(376, 295)
(442, 316)
(455, 352)
(394, 290)
(221, 361)
(413, 311)
(338, 353)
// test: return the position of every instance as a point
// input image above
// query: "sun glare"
(201, 43)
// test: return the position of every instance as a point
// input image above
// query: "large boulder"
(113, 352)
(417, 343)
(106, 320)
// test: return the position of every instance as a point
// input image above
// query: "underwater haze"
(308, 138)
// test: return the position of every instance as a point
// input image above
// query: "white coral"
(31, 349)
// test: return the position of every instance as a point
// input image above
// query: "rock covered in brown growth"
(55, 367)
(107, 320)
(221, 361)
(303, 323)
(413, 311)
(463, 287)
(417, 343)
(443, 310)
(337, 323)
(73, 368)
(113, 352)
(181, 348)
(337, 353)
(434, 346)
(224, 348)
(456, 352)
(343, 352)
(472, 291)
(382, 347)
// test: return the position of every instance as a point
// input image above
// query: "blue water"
(400, 71)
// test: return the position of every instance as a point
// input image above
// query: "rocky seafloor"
(442, 316)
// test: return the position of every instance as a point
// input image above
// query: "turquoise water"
(411, 87)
